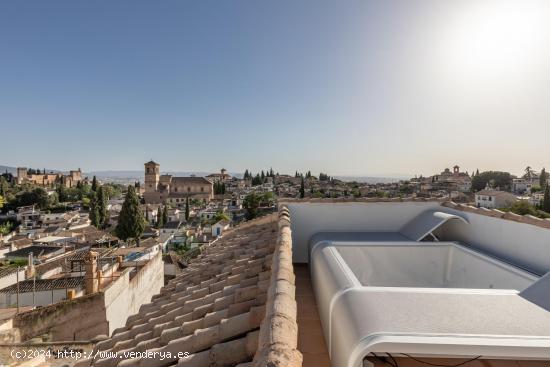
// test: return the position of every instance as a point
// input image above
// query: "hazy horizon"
(355, 88)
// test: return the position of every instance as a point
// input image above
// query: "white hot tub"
(430, 299)
(443, 265)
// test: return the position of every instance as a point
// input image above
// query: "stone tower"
(21, 175)
(152, 174)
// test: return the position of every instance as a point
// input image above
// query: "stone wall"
(100, 313)
(78, 319)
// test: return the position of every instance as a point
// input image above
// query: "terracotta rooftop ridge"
(495, 213)
(278, 340)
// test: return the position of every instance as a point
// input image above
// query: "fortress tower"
(21, 175)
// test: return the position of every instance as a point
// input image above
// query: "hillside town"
(70, 241)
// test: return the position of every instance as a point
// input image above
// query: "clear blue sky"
(348, 87)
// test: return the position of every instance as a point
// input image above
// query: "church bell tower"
(152, 174)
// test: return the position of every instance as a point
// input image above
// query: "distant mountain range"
(11, 170)
(135, 175)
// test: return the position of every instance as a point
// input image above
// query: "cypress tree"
(187, 209)
(546, 201)
(543, 177)
(95, 217)
(94, 184)
(165, 214)
(131, 222)
(102, 205)
(302, 189)
(160, 223)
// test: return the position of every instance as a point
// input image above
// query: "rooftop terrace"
(258, 296)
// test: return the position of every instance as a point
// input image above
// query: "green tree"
(37, 196)
(267, 199)
(6, 228)
(160, 222)
(543, 178)
(2, 201)
(251, 203)
(95, 217)
(94, 184)
(165, 214)
(102, 206)
(522, 207)
(503, 180)
(4, 185)
(246, 174)
(113, 190)
(257, 180)
(302, 189)
(546, 200)
(131, 222)
(219, 216)
(187, 209)
(528, 172)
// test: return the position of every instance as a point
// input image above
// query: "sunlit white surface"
(497, 38)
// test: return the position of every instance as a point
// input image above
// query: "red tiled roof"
(234, 304)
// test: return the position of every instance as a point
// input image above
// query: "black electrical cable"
(438, 365)
(384, 360)
(393, 359)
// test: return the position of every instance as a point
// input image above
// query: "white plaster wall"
(522, 244)
(310, 218)
(12, 279)
(124, 297)
(41, 298)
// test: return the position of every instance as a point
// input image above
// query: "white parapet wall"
(309, 218)
(517, 241)
(125, 296)
(521, 240)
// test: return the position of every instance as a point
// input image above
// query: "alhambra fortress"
(49, 179)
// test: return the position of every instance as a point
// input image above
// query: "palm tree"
(528, 172)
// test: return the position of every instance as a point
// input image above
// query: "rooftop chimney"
(91, 274)
(29, 270)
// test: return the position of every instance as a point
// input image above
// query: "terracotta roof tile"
(215, 308)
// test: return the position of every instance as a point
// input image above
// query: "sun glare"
(498, 37)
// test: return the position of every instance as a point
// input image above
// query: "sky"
(355, 87)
